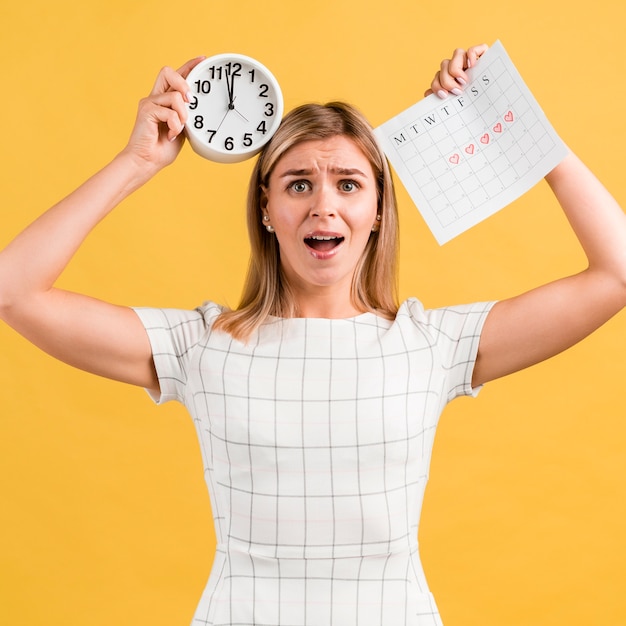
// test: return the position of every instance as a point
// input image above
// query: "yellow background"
(104, 518)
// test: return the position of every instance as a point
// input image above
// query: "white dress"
(316, 439)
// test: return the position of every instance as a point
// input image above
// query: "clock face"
(236, 106)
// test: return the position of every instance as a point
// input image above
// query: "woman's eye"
(349, 186)
(299, 186)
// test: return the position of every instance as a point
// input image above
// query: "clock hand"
(230, 85)
(224, 118)
(238, 112)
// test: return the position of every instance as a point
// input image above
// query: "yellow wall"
(103, 513)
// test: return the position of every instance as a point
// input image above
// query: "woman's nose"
(324, 202)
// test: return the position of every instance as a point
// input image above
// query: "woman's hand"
(157, 136)
(452, 76)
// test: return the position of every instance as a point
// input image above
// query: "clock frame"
(236, 106)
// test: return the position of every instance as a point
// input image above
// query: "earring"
(375, 227)
(268, 227)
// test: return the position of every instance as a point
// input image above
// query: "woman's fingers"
(184, 70)
(157, 136)
(452, 75)
(166, 108)
(170, 79)
(474, 53)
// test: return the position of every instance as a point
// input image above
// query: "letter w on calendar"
(464, 158)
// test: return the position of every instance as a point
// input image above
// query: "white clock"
(236, 106)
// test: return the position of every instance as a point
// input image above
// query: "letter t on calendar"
(464, 158)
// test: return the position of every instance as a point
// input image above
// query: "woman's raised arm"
(85, 332)
(538, 324)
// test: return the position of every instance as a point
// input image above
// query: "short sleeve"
(456, 332)
(173, 335)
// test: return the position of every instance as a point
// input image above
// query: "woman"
(317, 400)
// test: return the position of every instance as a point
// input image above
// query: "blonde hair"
(266, 291)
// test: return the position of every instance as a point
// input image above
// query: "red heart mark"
(454, 159)
(470, 149)
(508, 117)
(497, 128)
(484, 138)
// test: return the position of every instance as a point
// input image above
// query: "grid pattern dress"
(316, 439)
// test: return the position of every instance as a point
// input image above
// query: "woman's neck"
(324, 303)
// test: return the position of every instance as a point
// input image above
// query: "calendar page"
(464, 158)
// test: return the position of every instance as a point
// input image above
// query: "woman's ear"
(263, 198)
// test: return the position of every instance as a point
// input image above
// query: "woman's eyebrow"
(342, 171)
(348, 171)
(294, 172)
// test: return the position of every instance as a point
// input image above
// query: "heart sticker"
(509, 116)
(485, 138)
(454, 159)
(497, 128)
(470, 149)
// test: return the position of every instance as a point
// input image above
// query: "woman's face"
(322, 202)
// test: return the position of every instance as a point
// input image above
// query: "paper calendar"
(464, 158)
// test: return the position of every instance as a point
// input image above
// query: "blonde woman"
(316, 401)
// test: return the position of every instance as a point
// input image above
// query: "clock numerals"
(216, 72)
(228, 71)
(263, 90)
(232, 69)
(198, 123)
(203, 86)
(229, 142)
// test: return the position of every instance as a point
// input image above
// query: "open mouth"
(323, 243)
